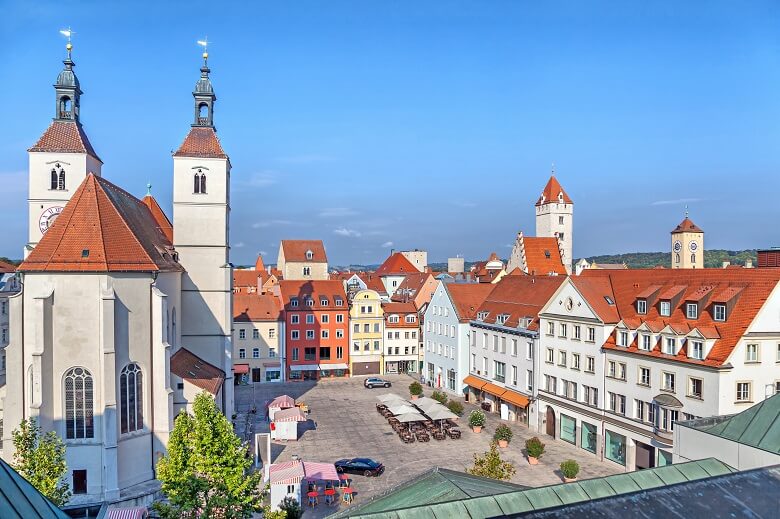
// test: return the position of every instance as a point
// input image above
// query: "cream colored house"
(366, 331)
(302, 259)
(258, 338)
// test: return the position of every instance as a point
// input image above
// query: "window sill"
(695, 397)
(743, 401)
(642, 384)
(666, 390)
(590, 372)
(752, 362)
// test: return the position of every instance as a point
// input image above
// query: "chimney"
(726, 264)
(749, 263)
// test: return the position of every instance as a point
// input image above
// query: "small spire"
(553, 169)
(204, 92)
(68, 33)
(149, 189)
(686, 210)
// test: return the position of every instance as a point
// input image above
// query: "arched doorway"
(550, 422)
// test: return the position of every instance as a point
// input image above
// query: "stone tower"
(61, 158)
(554, 218)
(687, 245)
(201, 225)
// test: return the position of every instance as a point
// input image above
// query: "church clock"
(693, 246)
(47, 218)
(677, 246)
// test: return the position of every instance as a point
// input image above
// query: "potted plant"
(477, 421)
(570, 469)
(534, 448)
(440, 397)
(455, 406)
(415, 389)
(503, 435)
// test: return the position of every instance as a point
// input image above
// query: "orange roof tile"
(295, 250)
(256, 307)
(597, 291)
(103, 229)
(163, 223)
(6, 267)
(316, 290)
(519, 297)
(467, 298)
(687, 226)
(396, 264)
(197, 371)
(65, 137)
(201, 142)
(246, 280)
(259, 265)
(551, 191)
(543, 256)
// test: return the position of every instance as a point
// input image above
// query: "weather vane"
(68, 33)
(205, 44)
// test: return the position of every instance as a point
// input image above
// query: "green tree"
(490, 465)
(40, 459)
(206, 472)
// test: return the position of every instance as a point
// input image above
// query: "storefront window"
(664, 458)
(616, 447)
(339, 372)
(295, 375)
(270, 376)
(325, 373)
(588, 439)
(568, 429)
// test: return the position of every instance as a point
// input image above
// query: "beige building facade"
(366, 332)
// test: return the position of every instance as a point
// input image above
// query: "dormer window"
(622, 338)
(641, 306)
(501, 319)
(670, 345)
(309, 255)
(697, 350)
(411, 318)
(323, 301)
(294, 301)
(309, 301)
(646, 342)
(339, 302)
(665, 308)
(482, 316)
(392, 319)
(692, 310)
(719, 312)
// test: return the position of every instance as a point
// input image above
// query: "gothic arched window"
(677, 258)
(131, 404)
(200, 182)
(79, 394)
(203, 183)
(693, 258)
(54, 181)
(61, 183)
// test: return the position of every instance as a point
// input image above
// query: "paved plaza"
(343, 423)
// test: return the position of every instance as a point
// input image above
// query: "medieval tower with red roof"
(554, 218)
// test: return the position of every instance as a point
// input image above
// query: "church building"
(123, 316)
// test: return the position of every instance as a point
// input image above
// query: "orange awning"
(240, 368)
(493, 389)
(474, 382)
(515, 398)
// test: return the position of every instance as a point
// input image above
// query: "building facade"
(302, 259)
(366, 336)
(554, 218)
(258, 339)
(402, 330)
(687, 245)
(316, 334)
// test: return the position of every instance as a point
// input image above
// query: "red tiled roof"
(596, 290)
(259, 265)
(520, 297)
(374, 282)
(748, 290)
(247, 280)
(467, 298)
(197, 371)
(163, 223)
(551, 191)
(65, 137)
(399, 308)
(417, 287)
(543, 256)
(687, 226)
(256, 307)
(396, 264)
(314, 289)
(201, 142)
(102, 229)
(295, 250)
(6, 267)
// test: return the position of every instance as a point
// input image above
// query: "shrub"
(439, 397)
(477, 419)
(415, 388)
(534, 447)
(503, 432)
(490, 465)
(570, 469)
(291, 508)
(456, 407)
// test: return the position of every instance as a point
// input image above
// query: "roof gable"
(543, 256)
(201, 142)
(163, 223)
(467, 298)
(396, 264)
(197, 371)
(296, 250)
(551, 192)
(256, 307)
(687, 226)
(64, 137)
(103, 229)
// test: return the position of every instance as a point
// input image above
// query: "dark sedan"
(364, 466)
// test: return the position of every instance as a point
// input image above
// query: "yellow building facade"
(366, 332)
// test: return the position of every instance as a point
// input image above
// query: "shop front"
(241, 372)
(335, 370)
(517, 406)
(273, 372)
(304, 372)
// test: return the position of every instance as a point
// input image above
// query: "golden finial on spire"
(205, 44)
(68, 33)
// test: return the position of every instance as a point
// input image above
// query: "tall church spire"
(67, 89)
(204, 93)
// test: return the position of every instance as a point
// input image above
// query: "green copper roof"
(424, 496)
(19, 499)
(758, 426)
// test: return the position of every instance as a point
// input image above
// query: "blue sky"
(423, 124)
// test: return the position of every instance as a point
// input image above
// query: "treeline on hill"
(11, 261)
(645, 260)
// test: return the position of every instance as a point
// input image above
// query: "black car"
(372, 382)
(365, 466)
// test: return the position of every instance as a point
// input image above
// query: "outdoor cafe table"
(313, 497)
(344, 480)
(348, 495)
(330, 494)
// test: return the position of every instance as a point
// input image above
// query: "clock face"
(47, 218)
(677, 246)
(693, 246)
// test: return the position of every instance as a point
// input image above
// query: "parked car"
(372, 382)
(364, 466)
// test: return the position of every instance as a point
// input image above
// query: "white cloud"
(387, 245)
(305, 159)
(270, 223)
(336, 212)
(239, 244)
(677, 201)
(262, 253)
(350, 233)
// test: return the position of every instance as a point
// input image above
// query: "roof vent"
(85, 253)
(547, 254)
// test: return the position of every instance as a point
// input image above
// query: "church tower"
(554, 218)
(201, 225)
(61, 158)
(687, 245)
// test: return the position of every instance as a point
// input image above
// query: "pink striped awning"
(282, 402)
(136, 512)
(320, 471)
(290, 415)
(287, 473)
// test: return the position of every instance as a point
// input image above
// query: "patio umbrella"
(410, 417)
(402, 409)
(425, 402)
(428, 406)
(391, 398)
(440, 413)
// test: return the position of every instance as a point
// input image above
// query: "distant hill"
(645, 260)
